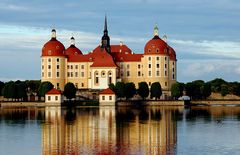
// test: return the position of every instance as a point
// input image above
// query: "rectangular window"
(68, 74)
(71, 74)
(57, 66)
(103, 98)
(139, 73)
(57, 59)
(121, 66)
(42, 60)
(42, 67)
(57, 85)
(157, 58)
(149, 58)
(158, 65)
(173, 76)
(166, 84)
(49, 59)
(82, 84)
(71, 66)
(157, 73)
(110, 98)
(49, 66)
(128, 73)
(49, 74)
(149, 83)
(139, 66)
(165, 73)
(42, 74)
(149, 65)
(56, 98)
(173, 63)
(57, 74)
(76, 74)
(165, 58)
(49, 98)
(96, 80)
(67, 66)
(76, 67)
(128, 66)
(82, 66)
(173, 69)
(82, 74)
(149, 73)
(165, 65)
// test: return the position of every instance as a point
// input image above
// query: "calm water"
(155, 130)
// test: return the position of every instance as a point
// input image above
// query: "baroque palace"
(108, 64)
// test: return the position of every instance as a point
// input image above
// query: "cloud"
(229, 49)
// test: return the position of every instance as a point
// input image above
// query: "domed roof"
(156, 45)
(72, 49)
(53, 47)
(172, 53)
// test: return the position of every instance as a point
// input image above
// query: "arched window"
(109, 77)
(103, 74)
(96, 78)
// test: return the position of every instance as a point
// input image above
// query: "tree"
(33, 85)
(44, 88)
(206, 91)
(224, 90)
(1, 87)
(143, 89)
(112, 87)
(70, 90)
(130, 90)
(216, 84)
(120, 88)
(177, 90)
(21, 90)
(156, 90)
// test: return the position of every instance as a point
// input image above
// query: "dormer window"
(149, 50)
(57, 47)
(157, 50)
(49, 52)
(75, 53)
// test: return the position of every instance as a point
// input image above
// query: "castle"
(108, 64)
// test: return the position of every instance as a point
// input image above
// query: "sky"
(205, 34)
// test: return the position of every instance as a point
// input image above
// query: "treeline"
(19, 90)
(201, 90)
(128, 90)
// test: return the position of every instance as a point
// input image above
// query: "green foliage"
(15, 90)
(206, 90)
(1, 88)
(70, 90)
(216, 84)
(130, 90)
(143, 89)
(44, 88)
(224, 90)
(156, 90)
(33, 85)
(112, 87)
(177, 89)
(120, 89)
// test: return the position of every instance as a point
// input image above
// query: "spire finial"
(105, 24)
(156, 30)
(54, 36)
(72, 40)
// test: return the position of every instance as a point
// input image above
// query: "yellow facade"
(150, 67)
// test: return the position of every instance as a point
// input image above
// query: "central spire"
(105, 24)
(105, 38)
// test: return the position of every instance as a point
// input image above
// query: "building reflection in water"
(106, 130)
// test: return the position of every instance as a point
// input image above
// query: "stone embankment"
(150, 103)
(27, 104)
(216, 102)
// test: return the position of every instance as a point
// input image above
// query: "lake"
(203, 130)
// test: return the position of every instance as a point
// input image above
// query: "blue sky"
(205, 34)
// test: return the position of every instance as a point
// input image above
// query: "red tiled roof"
(73, 50)
(156, 46)
(120, 49)
(53, 91)
(107, 91)
(122, 57)
(172, 54)
(102, 59)
(53, 48)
